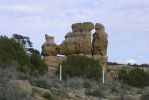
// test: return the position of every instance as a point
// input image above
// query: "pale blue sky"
(126, 22)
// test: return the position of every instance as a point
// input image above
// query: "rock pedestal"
(49, 52)
(78, 42)
(49, 48)
(99, 44)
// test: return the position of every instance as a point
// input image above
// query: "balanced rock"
(80, 27)
(49, 48)
(49, 52)
(99, 27)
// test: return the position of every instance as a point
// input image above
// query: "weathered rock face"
(79, 40)
(100, 40)
(52, 62)
(49, 48)
(80, 27)
(49, 52)
(99, 44)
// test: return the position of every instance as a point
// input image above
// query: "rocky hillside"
(83, 89)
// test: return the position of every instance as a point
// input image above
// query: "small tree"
(11, 51)
(18, 49)
(23, 41)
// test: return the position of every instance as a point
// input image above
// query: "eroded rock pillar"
(49, 53)
(99, 44)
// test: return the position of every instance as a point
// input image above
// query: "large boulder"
(49, 48)
(99, 27)
(88, 26)
(22, 85)
(77, 27)
(100, 41)
(80, 27)
(79, 40)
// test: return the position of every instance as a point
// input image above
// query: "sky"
(126, 22)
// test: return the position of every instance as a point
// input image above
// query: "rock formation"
(79, 42)
(49, 48)
(49, 52)
(99, 44)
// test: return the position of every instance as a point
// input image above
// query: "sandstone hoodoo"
(99, 44)
(49, 48)
(80, 42)
(49, 52)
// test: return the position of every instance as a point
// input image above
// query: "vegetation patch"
(81, 66)
(136, 77)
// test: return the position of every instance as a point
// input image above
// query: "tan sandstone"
(78, 42)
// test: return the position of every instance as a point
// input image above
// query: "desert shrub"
(136, 77)
(8, 90)
(37, 65)
(42, 83)
(75, 82)
(81, 66)
(97, 92)
(87, 84)
(145, 96)
(48, 96)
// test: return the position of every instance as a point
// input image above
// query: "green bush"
(81, 66)
(87, 84)
(16, 49)
(11, 51)
(42, 84)
(48, 96)
(8, 90)
(37, 65)
(136, 77)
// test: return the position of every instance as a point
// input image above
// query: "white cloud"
(131, 61)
